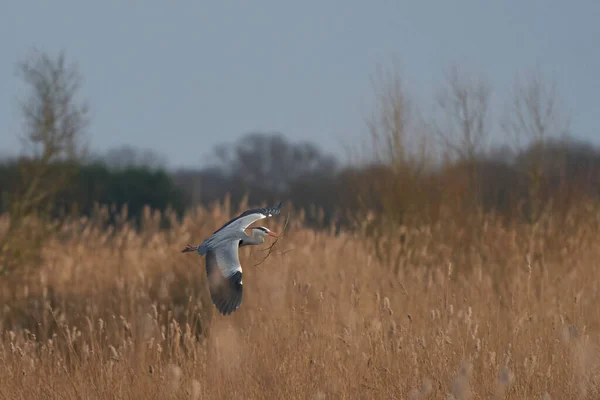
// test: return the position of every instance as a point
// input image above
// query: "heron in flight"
(223, 268)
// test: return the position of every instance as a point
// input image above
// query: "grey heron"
(223, 268)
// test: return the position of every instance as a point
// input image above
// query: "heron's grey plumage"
(223, 268)
(237, 226)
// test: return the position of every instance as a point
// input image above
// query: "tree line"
(412, 171)
(267, 167)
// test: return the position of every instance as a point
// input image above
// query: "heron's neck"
(253, 239)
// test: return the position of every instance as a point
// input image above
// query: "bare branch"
(388, 127)
(535, 114)
(464, 103)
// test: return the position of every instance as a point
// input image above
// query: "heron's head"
(261, 231)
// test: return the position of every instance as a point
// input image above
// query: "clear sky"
(182, 76)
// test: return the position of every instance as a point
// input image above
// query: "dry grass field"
(468, 311)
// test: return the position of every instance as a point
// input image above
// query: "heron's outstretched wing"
(246, 218)
(224, 274)
(232, 229)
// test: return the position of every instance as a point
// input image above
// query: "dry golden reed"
(473, 311)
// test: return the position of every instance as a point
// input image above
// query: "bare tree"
(464, 127)
(388, 126)
(535, 116)
(535, 113)
(54, 125)
(398, 137)
(464, 103)
(54, 119)
(393, 192)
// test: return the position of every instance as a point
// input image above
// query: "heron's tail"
(203, 249)
(189, 248)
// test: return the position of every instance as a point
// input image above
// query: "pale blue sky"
(182, 76)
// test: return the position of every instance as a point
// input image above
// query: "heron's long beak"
(189, 248)
(272, 234)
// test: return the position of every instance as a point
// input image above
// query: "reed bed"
(474, 311)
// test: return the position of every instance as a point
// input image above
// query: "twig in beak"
(270, 248)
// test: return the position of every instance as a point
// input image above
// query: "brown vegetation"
(472, 309)
(454, 275)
